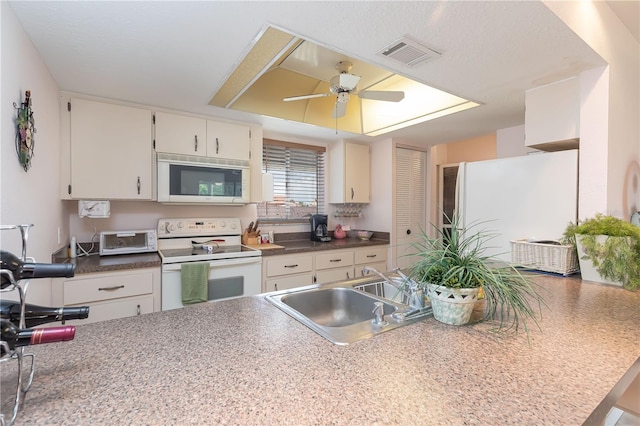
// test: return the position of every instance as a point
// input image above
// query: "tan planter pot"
(587, 270)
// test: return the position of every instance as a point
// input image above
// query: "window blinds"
(298, 180)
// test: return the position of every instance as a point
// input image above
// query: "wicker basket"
(544, 257)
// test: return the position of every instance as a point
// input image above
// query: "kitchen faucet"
(409, 287)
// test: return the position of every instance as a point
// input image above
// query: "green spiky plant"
(615, 259)
(457, 259)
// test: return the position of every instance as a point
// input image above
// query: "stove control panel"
(193, 227)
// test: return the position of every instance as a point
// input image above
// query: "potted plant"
(608, 250)
(452, 268)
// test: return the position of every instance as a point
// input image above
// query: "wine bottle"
(22, 270)
(15, 336)
(37, 315)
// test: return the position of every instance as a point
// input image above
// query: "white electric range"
(234, 269)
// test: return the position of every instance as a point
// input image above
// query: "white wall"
(510, 142)
(30, 197)
(601, 29)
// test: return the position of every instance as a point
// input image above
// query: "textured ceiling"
(178, 54)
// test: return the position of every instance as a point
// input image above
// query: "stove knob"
(180, 225)
(222, 224)
(233, 225)
(171, 227)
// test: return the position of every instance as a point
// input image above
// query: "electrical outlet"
(100, 209)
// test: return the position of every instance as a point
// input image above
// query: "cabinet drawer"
(331, 275)
(371, 255)
(334, 259)
(113, 309)
(85, 290)
(286, 265)
(287, 282)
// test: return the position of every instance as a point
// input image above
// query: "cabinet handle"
(347, 275)
(371, 255)
(217, 146)
(335, 260)
(352, 193)
(276, 286)
(139, 185)
(196, 138)
(291, 266)
(138, 310)
(115, 287)
(315, 278)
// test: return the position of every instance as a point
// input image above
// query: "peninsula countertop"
(243, 361)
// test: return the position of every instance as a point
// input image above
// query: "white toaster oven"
(127, 242)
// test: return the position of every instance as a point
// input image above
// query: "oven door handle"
(220, 263)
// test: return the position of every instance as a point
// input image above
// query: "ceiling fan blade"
(298, 98)
(380, 95)
(339, 110)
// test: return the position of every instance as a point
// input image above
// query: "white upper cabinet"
(107, 151)
(226, 140)
(180, 134)
(552, 116)
(349, 166)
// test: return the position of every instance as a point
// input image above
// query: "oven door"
(228, 279)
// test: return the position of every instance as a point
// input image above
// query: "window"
(298, 181)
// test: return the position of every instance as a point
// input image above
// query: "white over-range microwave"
(189, 179)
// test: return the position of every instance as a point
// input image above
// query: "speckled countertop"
(292, 246)
(245, 362)
(95, 263)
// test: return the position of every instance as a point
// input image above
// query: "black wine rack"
(25, 361)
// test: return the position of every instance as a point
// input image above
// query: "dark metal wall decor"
(25, 124)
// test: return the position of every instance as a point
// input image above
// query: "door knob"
(408, 231)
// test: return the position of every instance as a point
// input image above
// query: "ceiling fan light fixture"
(343, 97)
(344, 82)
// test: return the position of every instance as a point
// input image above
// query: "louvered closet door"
(411, 195)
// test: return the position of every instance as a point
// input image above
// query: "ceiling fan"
(345, 84)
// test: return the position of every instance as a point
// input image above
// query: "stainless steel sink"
(341, 313)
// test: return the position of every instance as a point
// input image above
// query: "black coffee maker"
(319, 230)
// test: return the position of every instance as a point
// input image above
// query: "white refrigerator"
(533, 196)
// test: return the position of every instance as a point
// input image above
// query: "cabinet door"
(552, 116)
(226, 140)
(287, 282)
(330, 275)
(357, 171)
(120, 308)
(349, 168)
(180, 134)
(380, 266)
(111, 151)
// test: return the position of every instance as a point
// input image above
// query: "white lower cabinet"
(282, 272)
(286, 282)
(110, 295)
(375, 257)
(333, 265)
(287, 271)
(331, 275)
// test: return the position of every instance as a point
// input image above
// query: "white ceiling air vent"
(408, 52)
